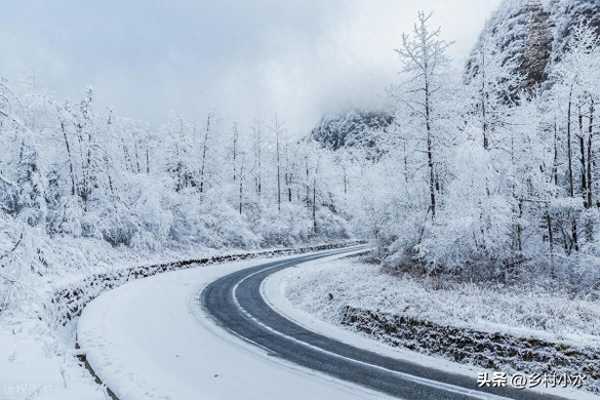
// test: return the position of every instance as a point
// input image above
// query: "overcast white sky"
(299, 58)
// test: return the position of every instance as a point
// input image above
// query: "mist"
(244, 60)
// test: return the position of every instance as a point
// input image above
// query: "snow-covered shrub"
(564, 214)
(285, 227)
(331, 226)
(211, 223)
(90, 227)
(26, 254)
(232, 227)
(472, 237)
(397, 242)
(118, 226)
(294, 224)
(473, 230)
(147, 205)
(68, 217)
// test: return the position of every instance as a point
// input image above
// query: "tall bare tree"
(204, 150)
(424, 57)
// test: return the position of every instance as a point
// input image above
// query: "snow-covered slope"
(354, 129)
(532, 35)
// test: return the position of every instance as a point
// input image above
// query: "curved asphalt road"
(235, 302)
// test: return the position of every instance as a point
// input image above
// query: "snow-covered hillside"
(532, 36)
(357, 130)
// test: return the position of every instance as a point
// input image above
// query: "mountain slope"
(532, 35)
(359, 130)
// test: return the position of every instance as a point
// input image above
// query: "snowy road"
(236, 302)
(152, 339)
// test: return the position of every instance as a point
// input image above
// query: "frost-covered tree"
(491, 83)
(424, 59)
(30, 202)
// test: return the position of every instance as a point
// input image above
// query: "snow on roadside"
(37, 353)
(326, 289)
(302, 294)
(146, 346)
(31, 330)
(30, 369)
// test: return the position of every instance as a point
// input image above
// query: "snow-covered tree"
(424, 59)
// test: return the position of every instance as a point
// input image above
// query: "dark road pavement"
(235, 302)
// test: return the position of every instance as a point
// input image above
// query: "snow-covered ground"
(149, 339)
(547, 316)
(37, 354)
(30, 368)
(303, 295)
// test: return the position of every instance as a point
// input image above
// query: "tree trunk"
(147, 161)
(288, 174)
(570, 161)
(575, 244)
(126, 156)
(138, 165)
(582, 159)
(345, 183)
(555, 163)
(520, 228)
(235, 140)
(314, 204)
(289, 181)
(278, 168)
(307, 183)
(71, 169)
(486, 143)
(110, 181)
(430, 162)
(589, 156)
(550, 240)
(241, 187)
(405, 162)
(259, 162)
(569, 146)
(204, 147)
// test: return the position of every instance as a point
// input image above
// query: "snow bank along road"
(150, 339)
